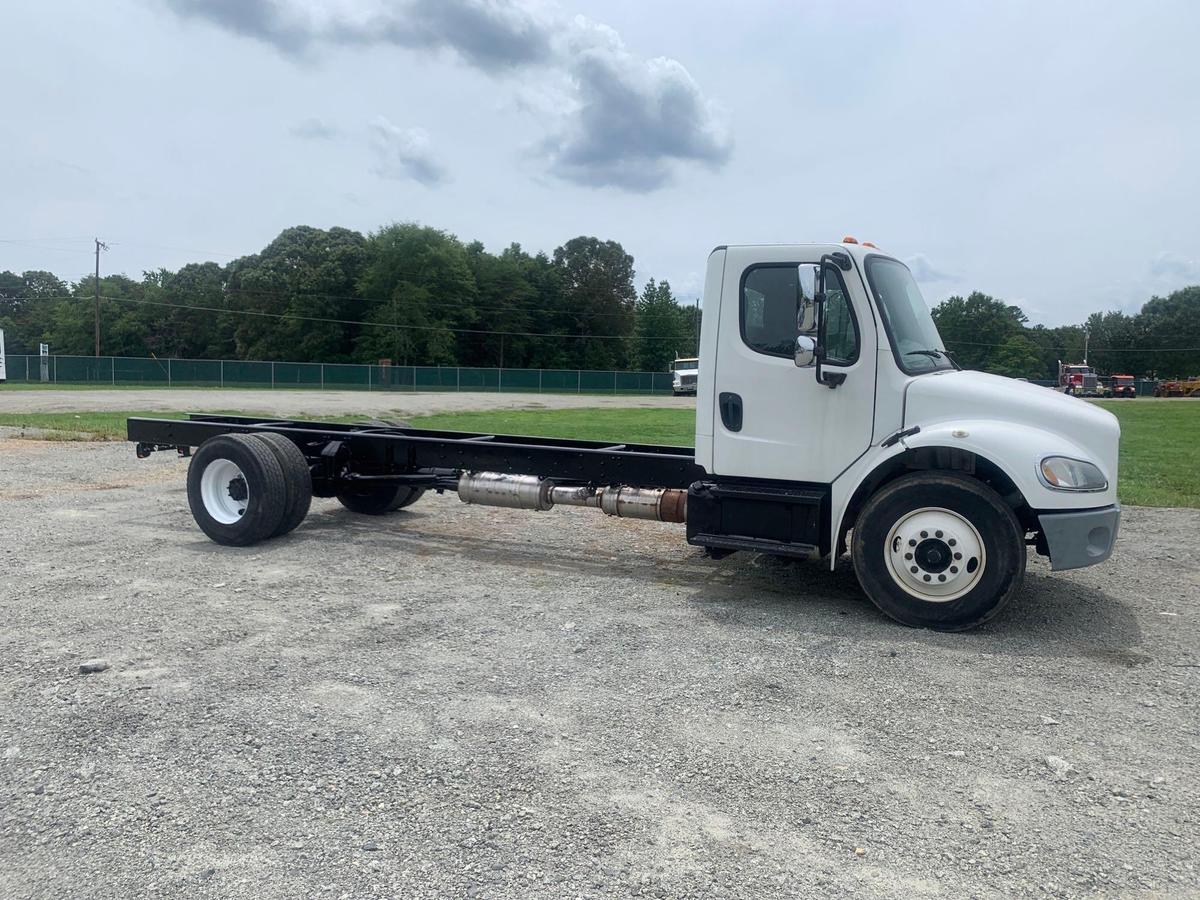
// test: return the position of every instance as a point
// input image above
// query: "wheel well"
(944, 459)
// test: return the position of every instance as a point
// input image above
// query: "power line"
(1092, 349)
(332, 321)
(607, 337)
(455, 304)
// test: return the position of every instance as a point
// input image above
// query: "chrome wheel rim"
(935, 554)
(224, 491)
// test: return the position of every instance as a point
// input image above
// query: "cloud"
(403, 153)
(616, 119)
(489, 34)
(314, 130)
(1174, 269)
(634, 118)
(264, 20)
(924, 271)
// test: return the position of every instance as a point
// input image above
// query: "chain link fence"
(136, 371)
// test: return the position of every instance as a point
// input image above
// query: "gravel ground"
(460, 702)
(313, 403)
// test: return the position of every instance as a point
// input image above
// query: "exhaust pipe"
(532, 492)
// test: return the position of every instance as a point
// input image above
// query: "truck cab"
(684, 371)
(828, 409)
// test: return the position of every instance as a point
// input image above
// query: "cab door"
(772, 419)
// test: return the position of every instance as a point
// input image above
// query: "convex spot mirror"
(805, 354)
(806, 303)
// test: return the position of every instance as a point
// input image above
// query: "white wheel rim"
(224, 490)
(935, 554)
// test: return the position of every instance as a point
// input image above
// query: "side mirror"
(806, 316)
(805, 354)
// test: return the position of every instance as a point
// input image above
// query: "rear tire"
(379, 499)
(963, 541)
(296, 476)
(236, 490)
(405, 500)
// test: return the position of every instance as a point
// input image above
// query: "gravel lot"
(460, 702)
(313, 403)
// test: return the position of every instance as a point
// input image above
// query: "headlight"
(1061, 473)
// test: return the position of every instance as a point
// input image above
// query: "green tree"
(976, 327)
(421, 284)
(305, 273)
(597, 278)
(1017, 357)
(1171, 325)
(26, 308)
(661, 331)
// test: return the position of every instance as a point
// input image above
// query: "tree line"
(419, 296)
(406, 293)
(1161, 340)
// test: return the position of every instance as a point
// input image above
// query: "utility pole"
(100, 245)
(1086, 335)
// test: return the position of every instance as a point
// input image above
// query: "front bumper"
(1078, 539)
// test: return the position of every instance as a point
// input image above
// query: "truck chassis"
(379, 467)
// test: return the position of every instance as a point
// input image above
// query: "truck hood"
(963, 396)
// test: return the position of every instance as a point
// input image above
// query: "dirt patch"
(455, 701)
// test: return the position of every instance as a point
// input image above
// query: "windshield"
(686, 365)
(909, 325)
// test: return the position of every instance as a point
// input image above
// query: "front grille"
(687, 380)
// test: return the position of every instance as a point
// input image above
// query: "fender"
(1014, 449)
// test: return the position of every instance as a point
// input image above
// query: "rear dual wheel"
(379, 498)
(938, 551)
(245, 488)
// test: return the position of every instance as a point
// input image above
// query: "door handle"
(730, 406)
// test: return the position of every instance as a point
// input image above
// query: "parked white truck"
(684, 372)
(828, 417)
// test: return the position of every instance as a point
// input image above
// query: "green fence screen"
(124, 371)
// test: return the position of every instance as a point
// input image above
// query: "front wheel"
(938, 551)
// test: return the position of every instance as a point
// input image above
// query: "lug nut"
(941, 578)
(958, 556)
(951, 542)
(908, 556)
(913, 570)
(924, 534)
(937, 534)
(954, 570)
(927, 578)
(912, 542)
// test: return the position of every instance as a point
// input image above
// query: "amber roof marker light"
(849, 240)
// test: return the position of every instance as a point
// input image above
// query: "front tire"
(938, 551)
(236, 490)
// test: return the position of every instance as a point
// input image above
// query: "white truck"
(829, 417)
(684, 373)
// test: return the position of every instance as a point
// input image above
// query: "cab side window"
(770, 301)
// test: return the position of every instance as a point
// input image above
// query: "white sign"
(45, 349)
(3, 371)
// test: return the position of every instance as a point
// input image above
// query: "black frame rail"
(371, 449)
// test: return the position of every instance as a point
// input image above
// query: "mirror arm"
(842, 260)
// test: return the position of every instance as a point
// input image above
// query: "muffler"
(532, 492)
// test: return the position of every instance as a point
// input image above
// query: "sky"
(1044, 153)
